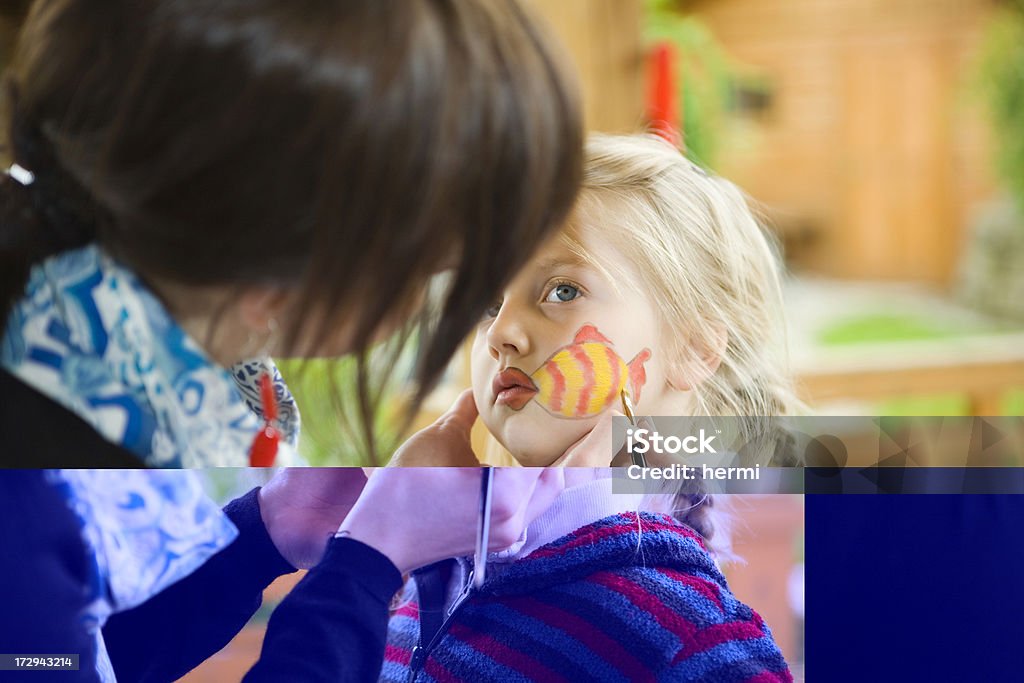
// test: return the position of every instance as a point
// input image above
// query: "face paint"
(587, 377)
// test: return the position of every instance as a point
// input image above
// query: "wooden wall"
(603, 42)
(871, 146)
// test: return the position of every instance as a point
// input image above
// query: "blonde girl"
(661, 285)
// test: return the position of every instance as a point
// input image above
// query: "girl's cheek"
(479, 353)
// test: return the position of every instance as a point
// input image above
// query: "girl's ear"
(701, 363)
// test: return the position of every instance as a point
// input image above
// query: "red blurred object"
(662, 109)
(264, 446)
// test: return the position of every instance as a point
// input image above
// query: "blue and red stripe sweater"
(628, 598)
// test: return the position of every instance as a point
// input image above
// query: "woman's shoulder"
(39, 432)
(45, 570)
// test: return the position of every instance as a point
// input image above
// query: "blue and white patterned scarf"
(92, 337)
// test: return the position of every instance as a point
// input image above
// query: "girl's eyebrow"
(568, 261)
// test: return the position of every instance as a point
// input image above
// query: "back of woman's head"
(345, 150)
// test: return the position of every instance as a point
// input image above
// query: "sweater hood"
(621, 541)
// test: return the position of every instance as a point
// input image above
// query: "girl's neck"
(587, 498)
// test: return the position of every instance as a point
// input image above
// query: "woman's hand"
(446, 443)
(416, 516)
(303, 506)
(596, 448)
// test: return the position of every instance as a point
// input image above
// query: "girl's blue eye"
(493, 310)
(562, 293)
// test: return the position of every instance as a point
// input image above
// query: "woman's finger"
(520, 496)
(594, 449)
(463, 412)
(444, 443)
(550, 485)
(416, 516)
(623, 458)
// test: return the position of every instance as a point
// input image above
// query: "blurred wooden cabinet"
(873, 143)
(604, 41)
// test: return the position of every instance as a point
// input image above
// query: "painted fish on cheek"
(587, 377)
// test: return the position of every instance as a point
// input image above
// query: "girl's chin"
(538, 440)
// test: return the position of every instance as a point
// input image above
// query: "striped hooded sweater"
(628, 598)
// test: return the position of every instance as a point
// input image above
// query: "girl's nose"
(507, 336)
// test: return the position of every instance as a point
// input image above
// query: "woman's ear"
(702, 360)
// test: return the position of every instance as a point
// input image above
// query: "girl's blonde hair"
(714, 274)
(715, 277)
(705, 261)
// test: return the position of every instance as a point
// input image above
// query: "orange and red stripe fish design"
(586, 377)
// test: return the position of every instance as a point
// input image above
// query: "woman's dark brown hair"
(346, 149)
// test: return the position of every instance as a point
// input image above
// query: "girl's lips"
(513, 388)
(514, 397)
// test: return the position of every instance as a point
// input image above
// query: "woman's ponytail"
(18, 223)
(43, 211)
